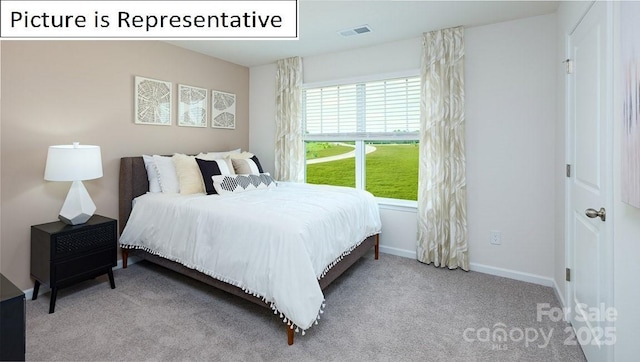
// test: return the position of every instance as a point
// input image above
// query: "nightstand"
(63, 254)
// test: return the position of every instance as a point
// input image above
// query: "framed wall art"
(153, 101)
(630, 56)
(192, 106)
(223, 114)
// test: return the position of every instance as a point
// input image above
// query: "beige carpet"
(391, 309)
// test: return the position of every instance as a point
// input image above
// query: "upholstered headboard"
(133, 183)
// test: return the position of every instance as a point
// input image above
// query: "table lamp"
(74, 163)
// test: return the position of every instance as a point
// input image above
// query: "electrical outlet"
(494, 237)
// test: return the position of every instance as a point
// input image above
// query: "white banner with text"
(236, 19)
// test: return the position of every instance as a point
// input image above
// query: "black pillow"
(209, 168)
(255, 159)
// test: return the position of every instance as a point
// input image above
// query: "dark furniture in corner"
(12, 322)
(64, 254)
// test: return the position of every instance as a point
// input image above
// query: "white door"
(589, 238)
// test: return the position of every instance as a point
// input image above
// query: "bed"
(276, 274)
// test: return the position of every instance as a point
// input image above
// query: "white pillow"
(242, 155)
(218, 155)
(167, 175)
(152, 174)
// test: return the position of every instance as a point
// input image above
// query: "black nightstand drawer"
(85, 266)
(78, 241)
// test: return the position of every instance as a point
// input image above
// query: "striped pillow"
(247, 166)
(210, 168)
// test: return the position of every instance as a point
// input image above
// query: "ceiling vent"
(358, 30)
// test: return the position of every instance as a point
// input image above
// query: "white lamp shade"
(73, 163)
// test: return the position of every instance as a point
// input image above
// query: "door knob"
(592, 213)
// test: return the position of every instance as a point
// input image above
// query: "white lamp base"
(78, 206)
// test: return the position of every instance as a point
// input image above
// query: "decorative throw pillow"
(225, 184)
(246, 163)
(244, 166)
(152, 174)
(210, 168)
(255, 159)
(167, 176)
(188, 173)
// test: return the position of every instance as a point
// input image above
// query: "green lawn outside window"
(391, 170)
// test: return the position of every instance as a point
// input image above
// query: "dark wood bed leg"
(289, 335)
(125, 256)
(377, 246)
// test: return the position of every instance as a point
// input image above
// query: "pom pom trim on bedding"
(274, 243)
(270, 303)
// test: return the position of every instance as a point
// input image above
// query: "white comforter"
(274, 243)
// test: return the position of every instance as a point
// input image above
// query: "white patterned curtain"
(442, 215)
(289, 152)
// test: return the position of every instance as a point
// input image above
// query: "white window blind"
(387, 109)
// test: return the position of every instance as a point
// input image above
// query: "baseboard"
(511, 274)
(399, 252)
(28, 294)
(480, 268)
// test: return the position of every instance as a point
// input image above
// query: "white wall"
(511, 116)
(396, 57)
(262, 114)
(510, 111)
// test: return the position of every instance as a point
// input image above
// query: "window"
(364, 135)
